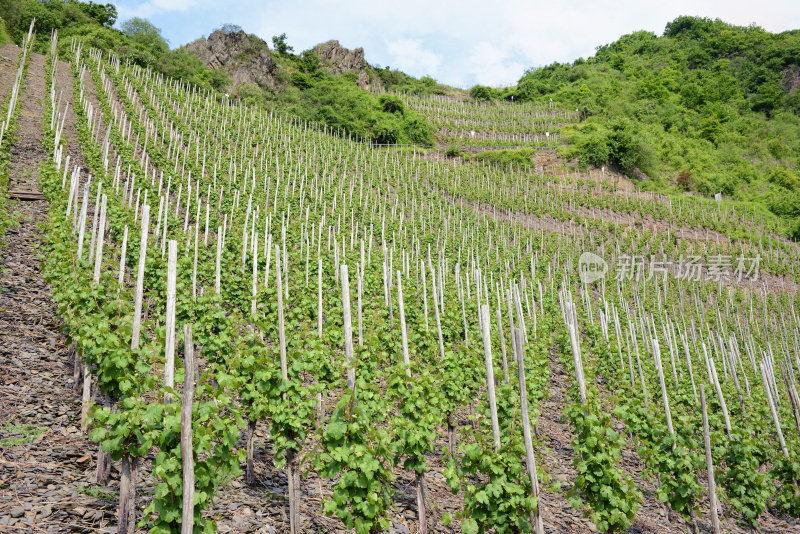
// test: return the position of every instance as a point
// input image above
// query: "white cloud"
(410, 56)
(460, 42)
(492, 65)
(156, 7)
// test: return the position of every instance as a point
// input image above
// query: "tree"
(144, 33)
(280, 45)
(104, 14)
(230, 29)
(181, 64)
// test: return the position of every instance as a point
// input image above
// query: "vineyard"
(218, 318)
(486, 125)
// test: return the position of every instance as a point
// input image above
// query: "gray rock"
(246, 58)
(338, 60)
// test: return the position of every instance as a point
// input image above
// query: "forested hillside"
(707, 106)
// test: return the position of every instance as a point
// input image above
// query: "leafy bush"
(300, 80)
(392, 104)
(626, 151)
(417, 130)
(482, 93)
(594, 150)
(336, 101)
(453, 151)
(784, 178)
(180, 64)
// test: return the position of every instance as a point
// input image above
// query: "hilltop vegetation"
(312, 88)
(303, 86)
(707, 106)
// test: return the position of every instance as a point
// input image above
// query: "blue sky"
(461, 42)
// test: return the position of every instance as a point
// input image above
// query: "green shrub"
(453, 151)
(626, 151)
(415, 129)
(180, 64)
(784, 177)
(300, 80)
(391, 104)
(482, 93)
(594, 150)
(250, 93)
(386, 132)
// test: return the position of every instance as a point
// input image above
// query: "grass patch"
(97, 492)
(14, 434)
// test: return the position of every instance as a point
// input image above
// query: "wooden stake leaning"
(530, 458)
(101, 230)
(218, 264)
(712, 490)
(487, 353)
(438, 318)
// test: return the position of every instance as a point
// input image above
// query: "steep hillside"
(707, 106)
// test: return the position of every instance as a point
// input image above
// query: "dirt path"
(69, 137)
(44, 458)
(556, 456)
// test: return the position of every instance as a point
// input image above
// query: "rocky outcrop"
(791, 78)
(338, 60)
(246, 58)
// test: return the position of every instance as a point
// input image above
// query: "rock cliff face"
(245, 58)
(338, 60)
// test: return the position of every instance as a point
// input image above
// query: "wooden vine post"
(126, 512)
(347, 323)
(187, 450)
(292, 467)
(169, 342)
(404, 334)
